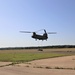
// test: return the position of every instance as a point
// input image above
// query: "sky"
(32, 15)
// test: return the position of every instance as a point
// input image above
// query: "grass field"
(32, 54)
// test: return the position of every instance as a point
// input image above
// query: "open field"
(33, 54)
(51, 63)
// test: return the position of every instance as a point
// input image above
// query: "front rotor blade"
(25, 32)
(51, 32)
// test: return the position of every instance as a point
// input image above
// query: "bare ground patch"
(66, 62)
(52, 66)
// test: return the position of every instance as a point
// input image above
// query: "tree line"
(45, 47)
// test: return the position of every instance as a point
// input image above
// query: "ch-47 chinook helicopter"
(36, 36)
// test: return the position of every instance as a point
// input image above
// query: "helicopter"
(36, 36)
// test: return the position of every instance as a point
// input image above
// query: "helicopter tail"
(44, 30)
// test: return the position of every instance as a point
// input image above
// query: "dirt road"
(52, 66)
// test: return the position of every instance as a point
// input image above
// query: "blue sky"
(33, 15)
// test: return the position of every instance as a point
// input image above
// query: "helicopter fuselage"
(40, 37)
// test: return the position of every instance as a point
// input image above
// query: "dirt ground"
(52, 66)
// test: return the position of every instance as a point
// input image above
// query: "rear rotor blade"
(39, 30)
(51, 32)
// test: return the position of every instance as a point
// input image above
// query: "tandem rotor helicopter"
(36, 36)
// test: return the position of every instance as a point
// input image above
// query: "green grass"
(25, 57)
